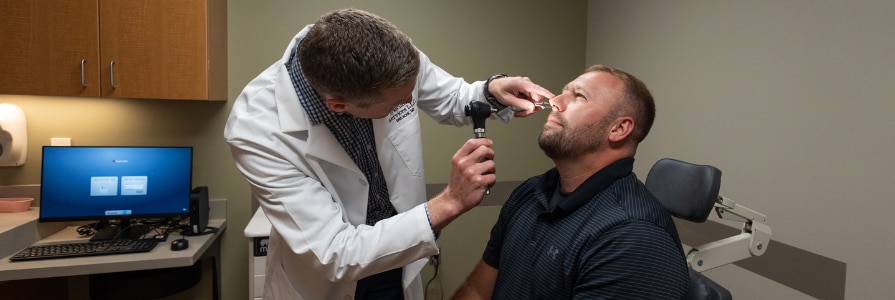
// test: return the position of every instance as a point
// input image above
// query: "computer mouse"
(180, 244)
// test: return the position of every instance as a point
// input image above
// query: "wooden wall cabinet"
(151, 49)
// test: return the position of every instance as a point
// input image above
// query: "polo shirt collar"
(584, 193)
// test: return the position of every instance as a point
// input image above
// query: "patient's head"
(604, 109)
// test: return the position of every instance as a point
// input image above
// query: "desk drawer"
(258, 286)
(259, 265)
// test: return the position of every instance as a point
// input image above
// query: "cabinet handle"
(112, 74)
(83, 85)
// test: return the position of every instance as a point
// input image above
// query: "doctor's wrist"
(442, 211)
(492, 100)
(437, 234)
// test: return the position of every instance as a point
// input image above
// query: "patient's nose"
(558, 103)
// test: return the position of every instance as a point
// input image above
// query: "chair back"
(689, 191)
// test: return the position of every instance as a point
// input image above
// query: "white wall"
(792, 100)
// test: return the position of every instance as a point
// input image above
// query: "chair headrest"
(688, 191)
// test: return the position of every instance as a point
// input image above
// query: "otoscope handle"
(479, 111)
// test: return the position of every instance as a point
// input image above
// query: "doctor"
(329, 139)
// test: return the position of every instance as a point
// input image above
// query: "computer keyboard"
(80, 249)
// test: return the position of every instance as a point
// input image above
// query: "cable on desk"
(160, 226)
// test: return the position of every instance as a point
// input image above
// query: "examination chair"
(690, 192)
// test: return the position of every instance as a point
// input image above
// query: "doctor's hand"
(472, 173)
(519, 92)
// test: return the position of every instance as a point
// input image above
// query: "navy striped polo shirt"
(608, 239)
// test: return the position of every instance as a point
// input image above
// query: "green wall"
(544, 40)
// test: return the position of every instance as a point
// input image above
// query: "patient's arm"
(479, 284)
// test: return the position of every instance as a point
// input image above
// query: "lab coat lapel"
(293, 118)
(380, 133)
(323, 145)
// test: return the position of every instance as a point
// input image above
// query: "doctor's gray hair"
(353, 54)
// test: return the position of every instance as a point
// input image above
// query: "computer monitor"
(114, 184)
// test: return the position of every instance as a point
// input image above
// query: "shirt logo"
(552, 252)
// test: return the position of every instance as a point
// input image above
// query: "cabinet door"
(48, 46)
(157, 49)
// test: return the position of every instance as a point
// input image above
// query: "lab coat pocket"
(278, 284)
(408, 144)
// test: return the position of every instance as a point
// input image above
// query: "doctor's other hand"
(519, 92)
(472, 173)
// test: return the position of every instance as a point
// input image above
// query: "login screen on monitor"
(93, 182)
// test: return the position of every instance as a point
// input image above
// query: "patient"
(588, 228)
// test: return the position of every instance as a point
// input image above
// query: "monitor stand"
(118, 229)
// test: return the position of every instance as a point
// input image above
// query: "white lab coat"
(316, 197)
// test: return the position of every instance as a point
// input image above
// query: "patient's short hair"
(636, 100)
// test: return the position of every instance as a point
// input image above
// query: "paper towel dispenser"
(13, 136)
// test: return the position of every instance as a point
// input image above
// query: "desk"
(20, 230)
(160, 257)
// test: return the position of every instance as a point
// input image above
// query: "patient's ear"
(336, 104)
(621, 128)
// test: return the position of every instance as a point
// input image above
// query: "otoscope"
(479, 111)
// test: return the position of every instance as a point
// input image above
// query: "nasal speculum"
(544, 103)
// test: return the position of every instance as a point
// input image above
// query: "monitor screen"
(111, 182)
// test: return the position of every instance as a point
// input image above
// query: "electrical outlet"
(60, 141)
